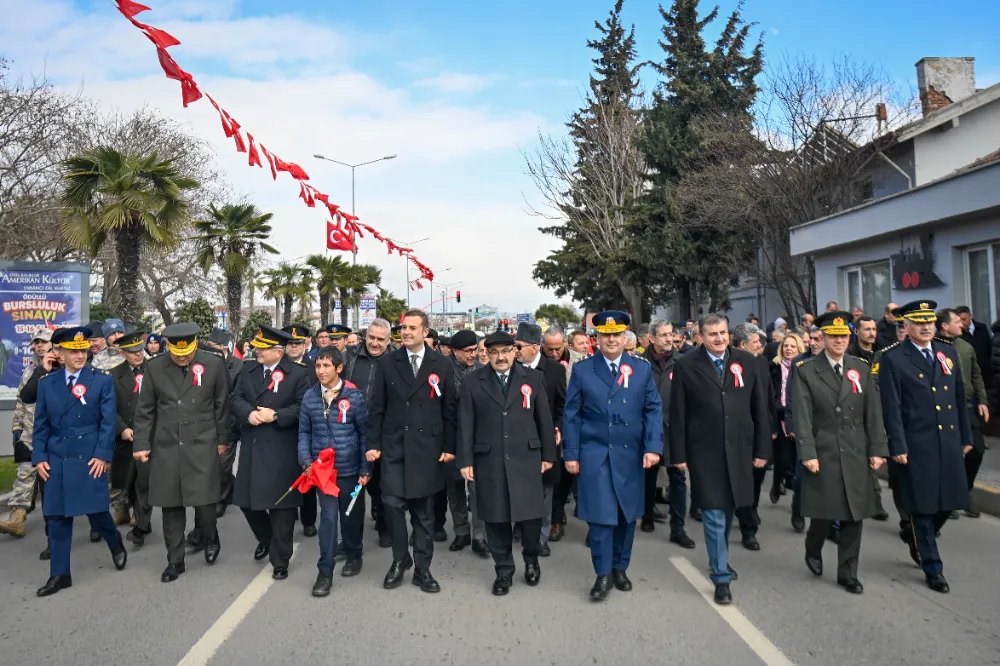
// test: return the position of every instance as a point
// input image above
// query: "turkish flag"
(338, 239)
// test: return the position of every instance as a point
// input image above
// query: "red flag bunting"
(240, 146)
(270, 162)
(162, 39)
(253, 156)
(130, 9)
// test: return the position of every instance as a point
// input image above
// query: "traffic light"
(458, 297)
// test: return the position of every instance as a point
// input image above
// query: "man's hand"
(649, 459)
(573, 466)
(984, 414)
(468, 474)
(308, 471)
(43, 470)
(875, 462)
(966, 449)
(363, 480)
(97, 467)
(901, 458)
(812, 465)
(141, 456)
(127, 434)
(373, 455)
(682, 466)
(774, 436)
(446, 457)
(760, 463)
(558, 437)
(254, 419)
(222, 449)
(267, 415)
(49, 361)
(546, 466)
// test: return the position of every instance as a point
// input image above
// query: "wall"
(938, 153)
(886, 179)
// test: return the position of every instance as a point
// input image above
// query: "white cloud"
(453, 82)
(774, 31)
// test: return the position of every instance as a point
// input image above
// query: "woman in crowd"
(784, 446)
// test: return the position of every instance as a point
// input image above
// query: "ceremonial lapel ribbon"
(526, 392)
(197, 370)
(855, 377)
(276, 378)
(343, 406)
(943, 360)
(737, 371)
(138, 383)
(434, 382)
(623, 374)
(79, 390)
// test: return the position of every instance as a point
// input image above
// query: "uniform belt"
(75, 432)
(845, 421)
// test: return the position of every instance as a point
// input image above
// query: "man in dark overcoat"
(719, 423)
(507, 441)
(840, 439)
(923, 405)
(182, 426)
(411, 429)
(295, 351)
(265, 403)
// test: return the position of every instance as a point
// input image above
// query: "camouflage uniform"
(106, 359)
(23, 492)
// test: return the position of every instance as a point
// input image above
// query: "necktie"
(415, 364)
(614, 369)
(69, 384)
(836, 368)
(267, 375)
(718, 366)
(927, 355)
(503, 383)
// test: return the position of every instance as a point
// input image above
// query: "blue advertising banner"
(29, 299)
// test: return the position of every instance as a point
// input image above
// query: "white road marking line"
(202, 651)
(757, 641)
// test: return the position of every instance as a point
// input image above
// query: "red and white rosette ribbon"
(435, 383)
(79, 390)
(526, 392)
(943, 360)
(197, 370)
(623, 374)
(737, 371)
(138, 383)
(855, 378)
(565, 364)
(671, 377)
(343, 406)
(276, 378)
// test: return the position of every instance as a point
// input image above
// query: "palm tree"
(135, 200)
(330, 272)
(389, 307)
(352, 282)
(230, 239)
(283, 282)
(367, 274)
(304, 295)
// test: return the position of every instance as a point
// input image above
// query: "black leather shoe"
(212, 551)
(384, 540)
(321, 588)
(501, 586)
(556, 534)
(137, 537)
(938, 584)
(280, 573)
(755, 516)
(972, 513)
(682, 539)
(621, 580)
(440, 536)
(775, 493)
(696, 514)
(459, 543)
(798, 524)
(954, 515)
(601, 588)
(220, 509)
(751, 543)
(394, 577)
(658, 516)
(544, 550)
(423, 579)
(44, 555)
(195, 540)
(881, 516)
(852, 585)
(647, 524)
(732, 572)
(723, 596)
(262, 551)
(171, 573)
(352, 567)
(341, 552)
(814, 564)
(532, 574)
(54, 584)
(94, 536)
(119, 555)
(309, 530)
(481, 548)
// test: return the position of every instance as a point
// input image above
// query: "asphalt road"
(233, 613)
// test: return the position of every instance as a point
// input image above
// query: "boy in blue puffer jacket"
(333, 414)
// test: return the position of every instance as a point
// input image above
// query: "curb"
(985, 498)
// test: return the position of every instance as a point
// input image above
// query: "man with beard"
(182, 427)
(360, 370)
(126, 471)
(528, 346)
(412, 429)
(507, 443)
(265, 404)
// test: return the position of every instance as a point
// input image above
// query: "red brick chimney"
(944, 81)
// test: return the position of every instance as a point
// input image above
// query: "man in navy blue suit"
(612, 431)
(74, 438)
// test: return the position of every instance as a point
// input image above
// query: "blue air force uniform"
(75, 424)
(923, 402)
(607, 428)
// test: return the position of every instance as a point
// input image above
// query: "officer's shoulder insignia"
(894, 345)
(875, 368)
(641, 358)
(803, 361)
(944, 341)
(861, 358)
(52, 373)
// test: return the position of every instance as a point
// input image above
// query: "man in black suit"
(977, 334)
(411, 428)
(130, 473)
(507, 444)
(295, 351)
(528, 345)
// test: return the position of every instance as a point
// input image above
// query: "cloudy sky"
(457, 89)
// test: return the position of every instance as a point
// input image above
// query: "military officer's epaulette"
(892, 346)
(640, 358)
(946, 341)
(862, 358)
(805, 360)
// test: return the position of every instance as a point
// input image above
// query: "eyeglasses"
(468, 350)
(494, 353)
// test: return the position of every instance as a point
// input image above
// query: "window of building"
(982, 281)
(868, 287)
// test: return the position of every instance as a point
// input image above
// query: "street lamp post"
(356, 310)
(443, 270)
(408, 244)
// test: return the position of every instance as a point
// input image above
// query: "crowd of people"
(504, 431)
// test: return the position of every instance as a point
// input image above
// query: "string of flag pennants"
(343, 227)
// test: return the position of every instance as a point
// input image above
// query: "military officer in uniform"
(923, 404)
(507, 441)
(612, 432)
(265, 404)
(338, 335)
(905, 531)
(182, 426)
(295, 351)
(74, 440)
(840, 438)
